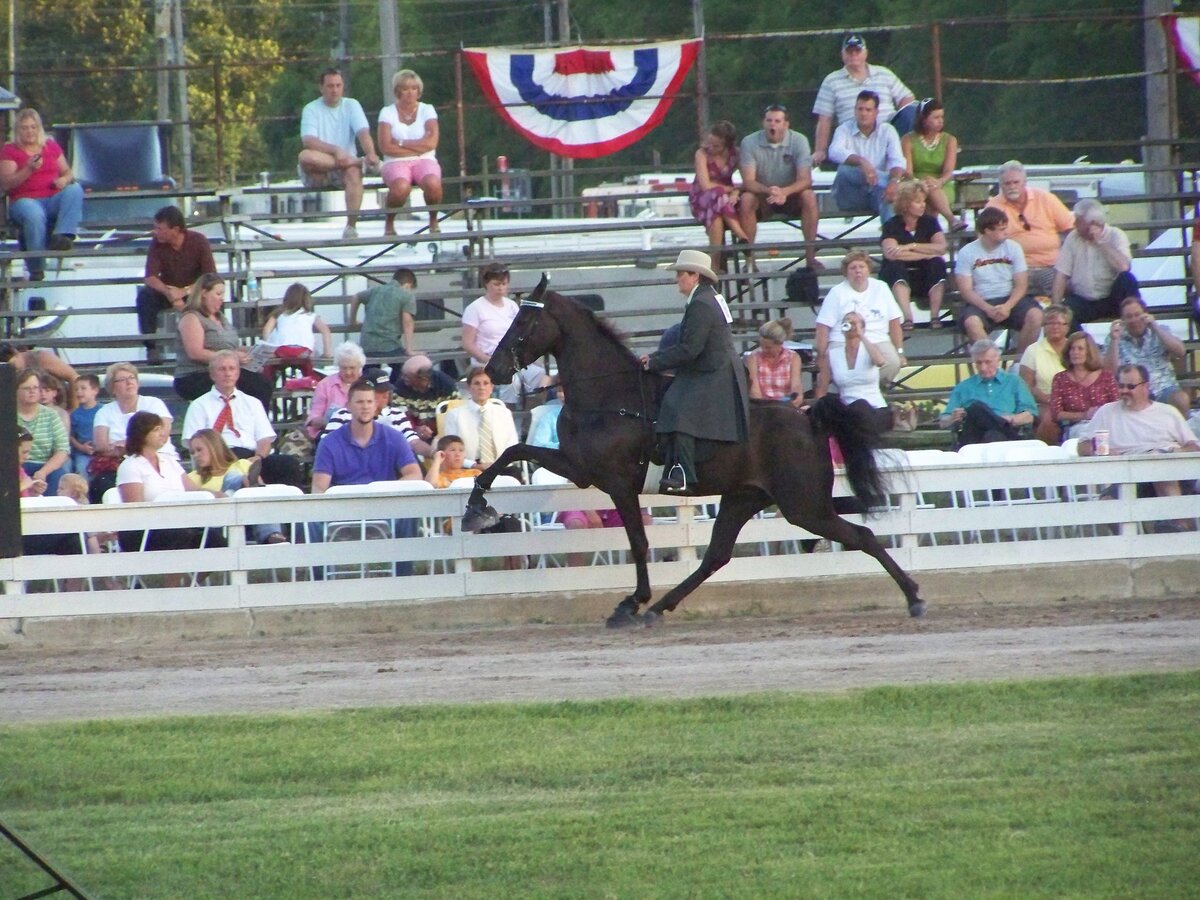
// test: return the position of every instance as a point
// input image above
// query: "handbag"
(103, 465)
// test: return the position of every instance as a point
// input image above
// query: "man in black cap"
(840, 89)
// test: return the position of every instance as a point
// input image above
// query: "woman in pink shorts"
(408, 139)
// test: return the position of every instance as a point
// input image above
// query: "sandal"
(935, 323)
(907, 325)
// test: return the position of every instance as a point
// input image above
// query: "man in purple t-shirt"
(360, 452)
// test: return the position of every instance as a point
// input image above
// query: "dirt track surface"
(825, 650)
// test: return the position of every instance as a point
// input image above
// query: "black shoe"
(61, 243)
(37, 276)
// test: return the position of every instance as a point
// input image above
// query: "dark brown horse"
(606, 436)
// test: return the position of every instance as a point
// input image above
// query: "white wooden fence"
(947, 514)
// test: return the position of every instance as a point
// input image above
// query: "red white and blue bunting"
(1185, 35)
(584, 102)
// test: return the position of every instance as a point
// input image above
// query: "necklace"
(930, 145)
(406, 117)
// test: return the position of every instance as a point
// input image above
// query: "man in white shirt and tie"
(486, 428)
(239, 418)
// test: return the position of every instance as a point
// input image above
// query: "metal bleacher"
(603, 257)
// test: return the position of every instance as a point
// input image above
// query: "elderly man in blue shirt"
(991, 405)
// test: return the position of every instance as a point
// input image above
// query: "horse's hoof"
(622, 618)
(479, 518)
(652, 619)
(916, 610)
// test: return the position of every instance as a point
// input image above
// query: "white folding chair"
(181, 496)
(356, 530)
(545, 521)
(1011, 452)
(295, 535)
(428, 525)
(1077, 493)
(53, 502)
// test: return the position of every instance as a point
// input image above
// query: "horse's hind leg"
(859, 537)
(736, 510)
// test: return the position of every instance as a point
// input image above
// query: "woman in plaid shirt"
(774, 369)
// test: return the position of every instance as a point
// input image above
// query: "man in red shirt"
(177, 259)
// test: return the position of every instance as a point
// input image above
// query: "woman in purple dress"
(714, 196)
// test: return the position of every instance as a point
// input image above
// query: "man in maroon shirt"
(177, 258)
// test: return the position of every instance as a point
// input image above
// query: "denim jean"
(851, 191)
(42, 216)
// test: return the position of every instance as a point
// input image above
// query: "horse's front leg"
(479, 515)
(626, 612)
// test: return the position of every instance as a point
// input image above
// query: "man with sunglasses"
(1037, 220)
(1137, 424)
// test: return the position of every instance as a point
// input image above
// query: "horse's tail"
(858, 442)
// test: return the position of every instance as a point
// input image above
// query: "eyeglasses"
(1126, 386)
(923, 105)
(1024, 222)
(775, 107)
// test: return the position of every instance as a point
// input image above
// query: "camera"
(847, 326)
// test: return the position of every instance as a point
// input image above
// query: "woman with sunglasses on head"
(931, 155)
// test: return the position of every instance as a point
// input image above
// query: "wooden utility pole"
(1161, 125)
(181, 78)
(567, 181)
(12, 46)
(342, 53)
(702, 113)
(389, 46)
(162, 57)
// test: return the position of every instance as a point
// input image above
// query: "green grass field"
(1082, 787)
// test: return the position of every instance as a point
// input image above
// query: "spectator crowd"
(1033, 268)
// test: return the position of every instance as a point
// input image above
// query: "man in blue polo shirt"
(363, 450)
(991, 405)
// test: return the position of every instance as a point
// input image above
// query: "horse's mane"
(604, 327)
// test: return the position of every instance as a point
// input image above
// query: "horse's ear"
(541, 288)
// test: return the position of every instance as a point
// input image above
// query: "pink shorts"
(414, 171)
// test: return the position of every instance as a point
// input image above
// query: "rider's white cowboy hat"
(694, 261)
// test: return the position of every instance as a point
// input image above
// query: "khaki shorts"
(321, 180)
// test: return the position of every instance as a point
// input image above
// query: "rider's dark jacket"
(708, 396)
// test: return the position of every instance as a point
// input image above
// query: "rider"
(707, 398)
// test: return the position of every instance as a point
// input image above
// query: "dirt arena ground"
(828, 648)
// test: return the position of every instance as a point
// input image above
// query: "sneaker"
(349, 233)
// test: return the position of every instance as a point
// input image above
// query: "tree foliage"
(256, 65)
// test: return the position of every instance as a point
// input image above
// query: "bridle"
(520, 342)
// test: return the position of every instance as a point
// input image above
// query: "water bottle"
(253, 294)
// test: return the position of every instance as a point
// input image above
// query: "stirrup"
(674, 481)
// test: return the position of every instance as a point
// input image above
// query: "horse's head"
(532, 334)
